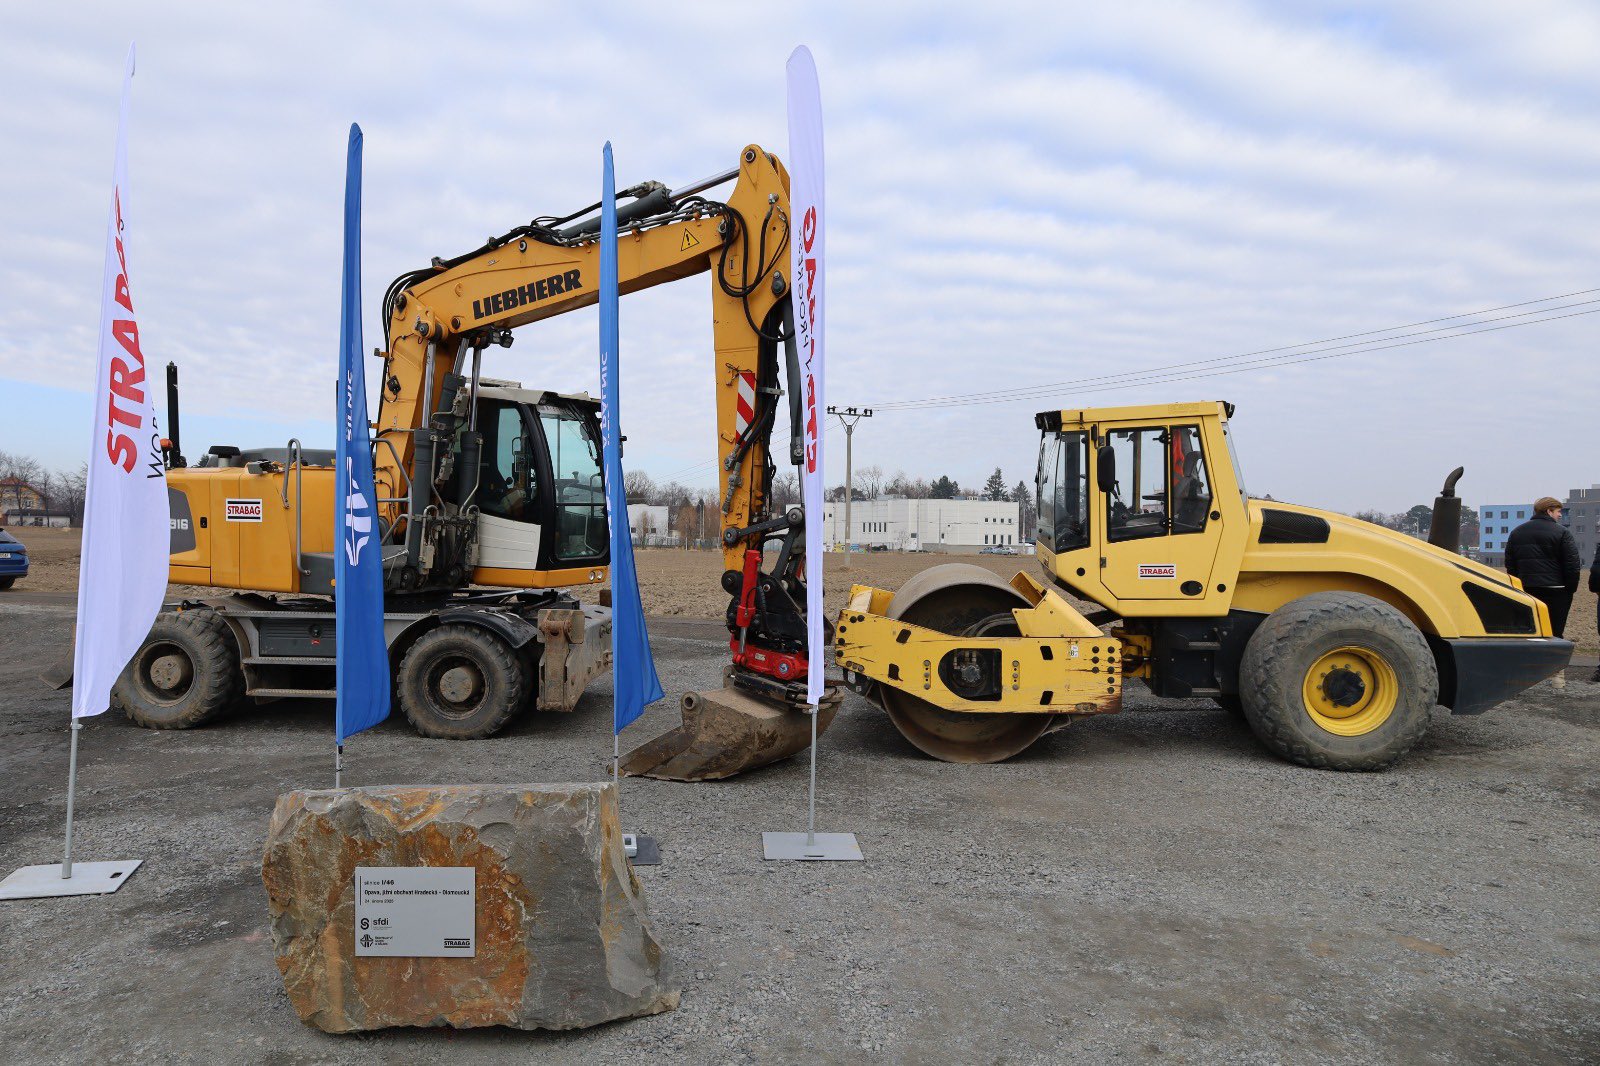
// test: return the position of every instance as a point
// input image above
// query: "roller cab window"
(1063, 492)
(1137, 499)
(1191, 485)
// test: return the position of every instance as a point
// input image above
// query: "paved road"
(1149, 886)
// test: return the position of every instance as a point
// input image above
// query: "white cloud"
(1018, 194)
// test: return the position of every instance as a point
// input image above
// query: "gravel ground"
(1146, 886)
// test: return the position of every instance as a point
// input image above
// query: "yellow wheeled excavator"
(491, 502)
(1335, 638)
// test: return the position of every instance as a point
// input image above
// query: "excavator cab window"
(1137, 505)
(579, 488)
(507, 487)
(1063, 483)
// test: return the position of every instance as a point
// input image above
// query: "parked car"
(997, 549)
(13, 560)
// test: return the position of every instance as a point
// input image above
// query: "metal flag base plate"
(88, 879)
(641, 850)
(810, 846)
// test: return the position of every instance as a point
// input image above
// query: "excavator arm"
(438, 321)
(440, 318)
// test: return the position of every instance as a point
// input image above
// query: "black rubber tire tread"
(218, 682)
(505, 678)
(1283, 648)
(7, 582)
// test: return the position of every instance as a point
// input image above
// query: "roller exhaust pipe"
(1445, 529)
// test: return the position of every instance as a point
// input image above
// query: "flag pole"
(122, 577)
(635, 684)
(72, 789)
(806, 291)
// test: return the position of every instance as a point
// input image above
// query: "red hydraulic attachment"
(786, 666)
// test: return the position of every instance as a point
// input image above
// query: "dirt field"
(686, 584)
(1150, 886)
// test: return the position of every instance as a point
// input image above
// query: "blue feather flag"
(361, 656)
(633, 668)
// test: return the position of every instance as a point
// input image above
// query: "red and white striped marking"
(745, 408)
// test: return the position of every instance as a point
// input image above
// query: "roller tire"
(215, 680)
(502, 677)
(1282, 651)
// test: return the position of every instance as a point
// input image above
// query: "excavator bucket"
(726, 732)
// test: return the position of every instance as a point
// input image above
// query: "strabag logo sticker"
(1158, 570)
(242, 510)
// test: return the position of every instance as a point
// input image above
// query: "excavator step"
(289, 660)
(293, 693)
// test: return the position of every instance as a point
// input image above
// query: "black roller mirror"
(1105, 468)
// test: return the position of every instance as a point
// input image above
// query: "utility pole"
(849, 416)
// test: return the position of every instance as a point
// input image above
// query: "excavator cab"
(538, 487)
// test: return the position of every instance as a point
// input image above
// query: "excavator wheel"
(184, 674)
(961, 600)
(460, 682)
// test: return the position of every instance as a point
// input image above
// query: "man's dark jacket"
(1543, 554)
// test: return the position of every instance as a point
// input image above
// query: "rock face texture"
(563, 934)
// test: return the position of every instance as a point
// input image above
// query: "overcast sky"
(1019, 195)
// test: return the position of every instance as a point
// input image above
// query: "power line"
(1001, 395)
(1285, 362)
(1244, 362)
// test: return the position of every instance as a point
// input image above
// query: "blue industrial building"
(1495, 523)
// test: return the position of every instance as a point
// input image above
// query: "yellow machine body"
(1143, 519)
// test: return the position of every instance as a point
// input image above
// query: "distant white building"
(647, 519)
(926, 525)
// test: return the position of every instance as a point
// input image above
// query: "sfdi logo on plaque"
(416, 911)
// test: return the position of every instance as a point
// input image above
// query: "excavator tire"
(961, 600)
(1338, 681)
(184, 674)
(461, 682)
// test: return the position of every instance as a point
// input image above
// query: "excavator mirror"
(1105, 468)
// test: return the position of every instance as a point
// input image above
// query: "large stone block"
(563, 934)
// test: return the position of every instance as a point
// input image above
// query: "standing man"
(1594, 586)
(1543, 554)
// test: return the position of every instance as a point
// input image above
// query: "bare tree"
(74, 488)
(638, 486)
(869, 482)
(22, 467)
(785, 490)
